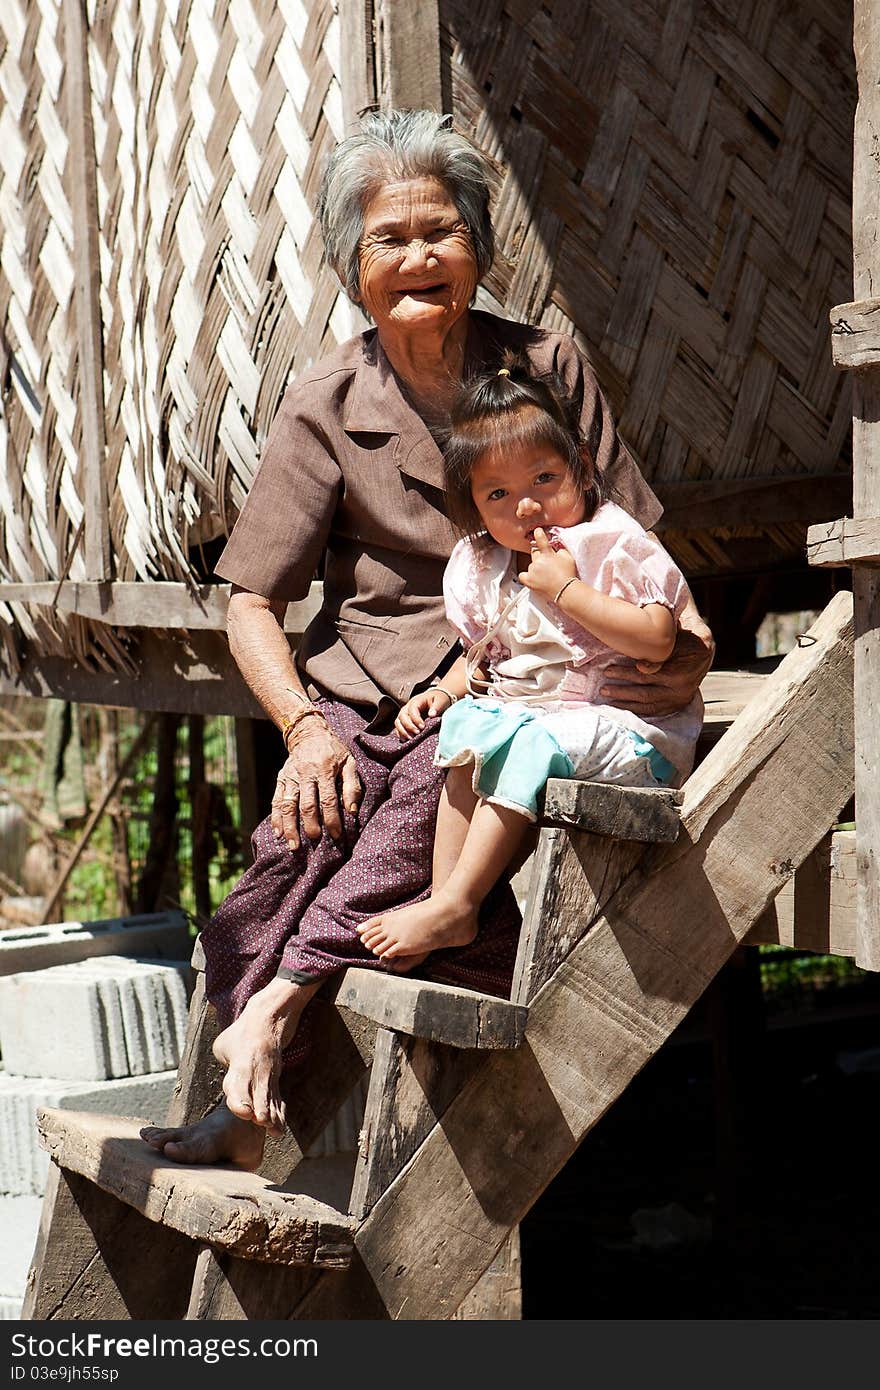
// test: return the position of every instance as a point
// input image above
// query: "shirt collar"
(377, 405)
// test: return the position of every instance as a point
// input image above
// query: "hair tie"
(504, 372)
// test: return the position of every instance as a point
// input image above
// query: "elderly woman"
(352, 471)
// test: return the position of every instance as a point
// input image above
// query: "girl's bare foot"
(220, 1137)
(437, 922)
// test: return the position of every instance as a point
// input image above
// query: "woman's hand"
(426, 705)
(648, 689)
(308, 785)
(549, 568)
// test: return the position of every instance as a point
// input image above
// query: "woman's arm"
(317, 760)
(649, 690)
(646, 633)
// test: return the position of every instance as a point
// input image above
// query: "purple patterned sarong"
(296, 911)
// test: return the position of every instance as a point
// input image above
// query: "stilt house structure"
(674, 186)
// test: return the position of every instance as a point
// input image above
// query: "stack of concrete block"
(154, 935)
(103, 1034)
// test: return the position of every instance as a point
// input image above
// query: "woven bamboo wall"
(211, 122)
(675, 189)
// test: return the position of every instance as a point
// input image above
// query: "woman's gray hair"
(401, 145)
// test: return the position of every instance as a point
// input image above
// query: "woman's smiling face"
(417, 264)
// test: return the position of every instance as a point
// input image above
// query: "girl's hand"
(308, 785)
(549, 568)
(426, 705)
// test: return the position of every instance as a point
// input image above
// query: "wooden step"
(236, 1211)
(439, 1013)
(647, 814)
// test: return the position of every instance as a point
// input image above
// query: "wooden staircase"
(636, 900)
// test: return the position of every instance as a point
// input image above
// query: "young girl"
(550, 585)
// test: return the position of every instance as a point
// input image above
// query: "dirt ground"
(653, 1218)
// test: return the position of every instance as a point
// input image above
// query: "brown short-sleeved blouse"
(350, 467)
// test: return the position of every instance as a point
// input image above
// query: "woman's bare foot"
(220, 1137)
(250, 1049)
(437, 922)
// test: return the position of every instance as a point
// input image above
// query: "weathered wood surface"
(91, 1258)
(497, 1296)
(407, 34)
(848, 541)
(358, 61)
(855, 335)
(866, 481)
(622, 813)
(226, 1287)
(645, 960)
(816, 910)
(159, 604)
(439, 1013)
(774, 501)
(198, 1088)
(236, 1211)
(572, 877)
(87, 281)
(411, 1084)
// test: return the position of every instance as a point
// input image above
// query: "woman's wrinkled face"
(417, 265)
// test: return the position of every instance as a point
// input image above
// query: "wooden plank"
(816, 910)
(159, 604)
(622, 813)
(90, 1261)
(572, 877)
(866, 472)
(855, 335)
(90, 367)
(411, 1084)
(408, 54)
(236, 1211)
(226, 1287)
(720, 502)
(849, 541)
(440, 1013)
(198, 1088)
(358, 61)
(497, 1296)
(626, 986)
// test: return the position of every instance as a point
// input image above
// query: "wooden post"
(855, 347)
(90, 373)
(408, 54)
(358, 61)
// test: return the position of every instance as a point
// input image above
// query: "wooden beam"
(721, 502)
(623, 813)
(866, 480)
(439, 1013)
(358, 61)
(162, 605)
(625, 987)
(87, 268)
(233, 1210)
(816, 910)
(89, 1260)
(408, 54)
(855, 335)
(849, 541)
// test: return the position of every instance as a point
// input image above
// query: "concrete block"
(94, 1020)
(10, 1308)
(156, 935)
(23, 1164)
(19, 1223)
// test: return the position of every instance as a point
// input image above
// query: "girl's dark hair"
(512, 407)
